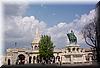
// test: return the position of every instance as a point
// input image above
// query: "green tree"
(46, 47)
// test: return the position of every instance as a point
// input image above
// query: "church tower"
(35, 43)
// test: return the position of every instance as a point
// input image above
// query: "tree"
(89, 34)
(46, 47)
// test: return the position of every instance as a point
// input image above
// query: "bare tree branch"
(88, 42)
(89, 33)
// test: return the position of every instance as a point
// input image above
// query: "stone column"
(26, 61)
(84, 59)
(61, 59)
(71, 59)
(75, 50)
(32, 60)
(90, 59)
(71, 49)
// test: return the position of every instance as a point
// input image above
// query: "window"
(73, 49)
(77, 49)
(69, 50)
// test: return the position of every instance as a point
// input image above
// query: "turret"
(35, 42)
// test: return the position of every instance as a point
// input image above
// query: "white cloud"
(59, 31)
(23, 28)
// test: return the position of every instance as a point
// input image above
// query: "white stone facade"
(68, 55)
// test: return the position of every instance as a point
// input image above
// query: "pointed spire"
(37, 36)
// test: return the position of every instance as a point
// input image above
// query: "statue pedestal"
(72, 44)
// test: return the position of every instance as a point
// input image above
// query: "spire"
(37, 36)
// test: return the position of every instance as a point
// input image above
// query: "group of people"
(38, 59)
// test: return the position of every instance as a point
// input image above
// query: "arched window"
(35, 47)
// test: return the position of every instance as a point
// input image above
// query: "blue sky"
(22, 19)
(54, 13)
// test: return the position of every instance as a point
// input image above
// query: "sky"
(55, 20)
(54, 13)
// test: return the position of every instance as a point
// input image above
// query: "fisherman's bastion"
(70, 54)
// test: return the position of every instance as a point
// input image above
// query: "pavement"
(49, 66)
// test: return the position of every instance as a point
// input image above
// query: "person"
(23, 61)
(17, 60)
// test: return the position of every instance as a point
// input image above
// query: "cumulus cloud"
(22, 29)
(59, 31)
(17, 27)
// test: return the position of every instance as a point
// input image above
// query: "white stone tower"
(35, 43)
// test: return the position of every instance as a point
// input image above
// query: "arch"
(81, 49)
(73, 49)
(69, 50)
(38, 58)
(90, 54)
(30, 59)
(34, 59)
(35, 46)
(77, 49)
(8, 61)
(87, 58)
(21, 56)
(54, 59)
(58, 58)
(21, 59)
